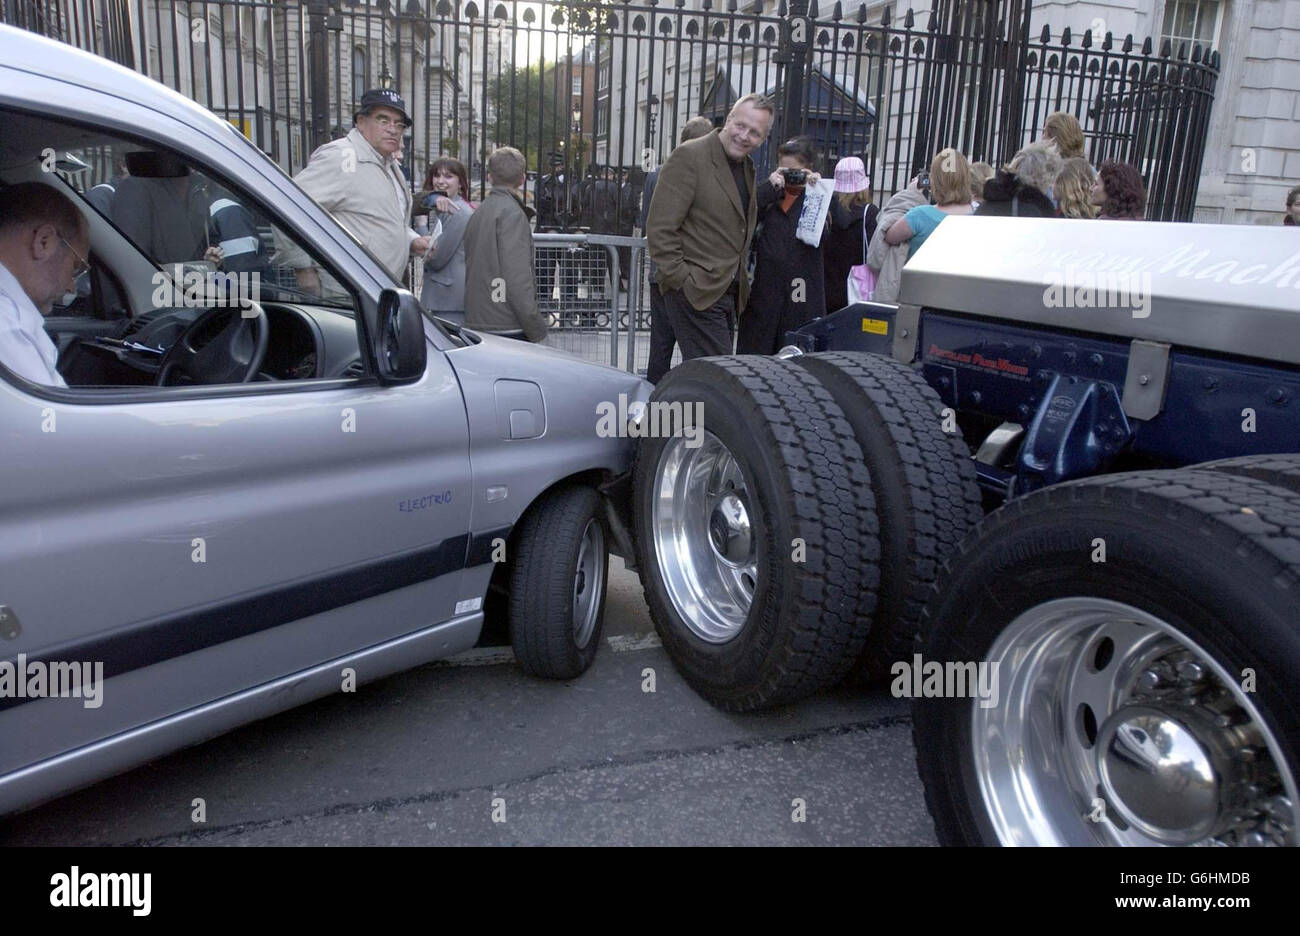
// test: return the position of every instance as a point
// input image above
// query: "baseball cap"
(382, 97)
(850, 175)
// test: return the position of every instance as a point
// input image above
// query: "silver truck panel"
(1233, 289)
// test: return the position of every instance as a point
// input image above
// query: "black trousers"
(702, 332)
(548, 258)
(662, 339)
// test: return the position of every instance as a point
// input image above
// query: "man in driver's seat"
(44, 243)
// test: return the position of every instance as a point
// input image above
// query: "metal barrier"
(596, 309)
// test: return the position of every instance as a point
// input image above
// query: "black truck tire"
(926, 496)
(758, 549)
(1282, 470)
(559, 569)
(1130, 614)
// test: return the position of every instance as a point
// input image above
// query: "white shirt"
(24, 347)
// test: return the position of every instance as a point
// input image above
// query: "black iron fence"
(595, 93)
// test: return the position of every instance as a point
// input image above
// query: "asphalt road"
(472, 751)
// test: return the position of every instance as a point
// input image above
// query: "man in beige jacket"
(358, 181)
(500, 286)
(700, 223)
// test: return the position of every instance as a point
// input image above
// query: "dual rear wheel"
(1146, 632)
(1139, 633)
(794, 545)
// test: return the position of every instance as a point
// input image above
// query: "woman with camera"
(947, 186)
(789, 287)
(445, 186)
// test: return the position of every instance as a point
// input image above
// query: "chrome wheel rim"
(588, 582)
(1116, 728)
(704, 538)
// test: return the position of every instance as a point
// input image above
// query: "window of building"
(1192, 21)
(360, 74)
(577, 86)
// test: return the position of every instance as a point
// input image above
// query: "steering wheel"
(231, 355)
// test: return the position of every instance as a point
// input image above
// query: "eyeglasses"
(82, 263)
(385, 121)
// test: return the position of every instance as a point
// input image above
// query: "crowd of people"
(735, 261)
(856, 250)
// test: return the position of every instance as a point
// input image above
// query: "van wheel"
(756, 532)
(924, 485)
(557, 584)
(1146, 647)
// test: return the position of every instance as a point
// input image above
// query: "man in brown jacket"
(700, 224)
(500, 289)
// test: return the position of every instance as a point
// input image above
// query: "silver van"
(236, 507)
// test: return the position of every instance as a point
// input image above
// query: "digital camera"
(795, 176)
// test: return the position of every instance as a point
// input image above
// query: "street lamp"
(385, 78)
(651, 102)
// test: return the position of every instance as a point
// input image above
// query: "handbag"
(862, 282)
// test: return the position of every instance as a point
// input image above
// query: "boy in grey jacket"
(500, 288)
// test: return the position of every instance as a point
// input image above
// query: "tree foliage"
(527, 113)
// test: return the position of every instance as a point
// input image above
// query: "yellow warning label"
(875, 326)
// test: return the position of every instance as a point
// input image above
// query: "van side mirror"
(399, 342)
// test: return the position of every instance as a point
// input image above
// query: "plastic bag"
(862, 283)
